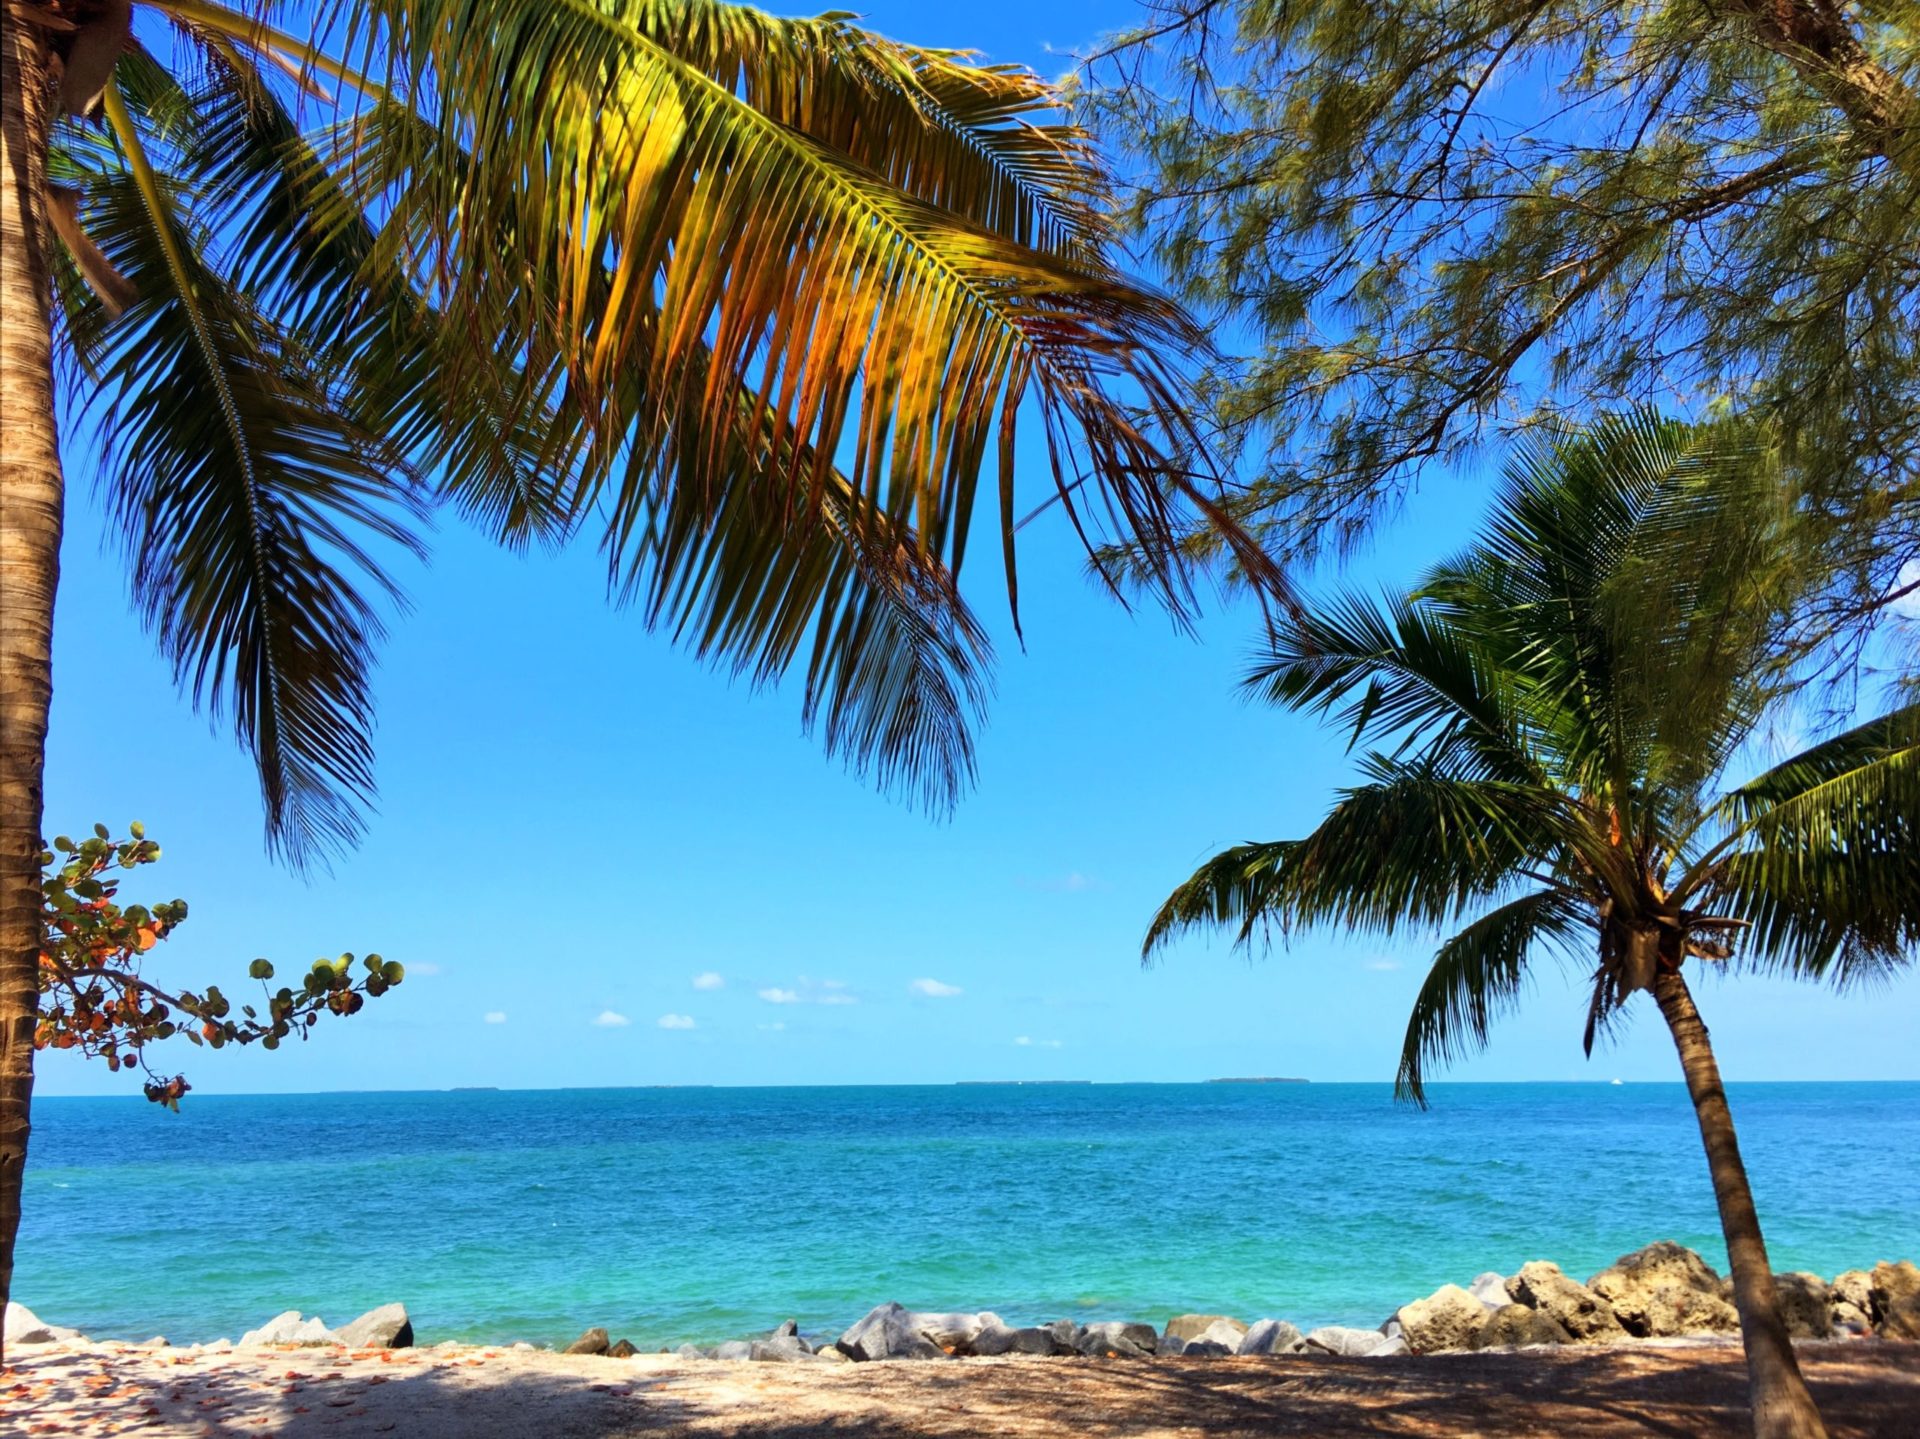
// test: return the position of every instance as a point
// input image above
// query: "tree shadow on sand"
(1866, 1390)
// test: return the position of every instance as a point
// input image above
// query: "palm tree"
(757, 300)
(1563, 704)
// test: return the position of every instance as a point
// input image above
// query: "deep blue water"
(703, 1214)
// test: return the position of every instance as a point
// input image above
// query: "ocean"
(676, 1215)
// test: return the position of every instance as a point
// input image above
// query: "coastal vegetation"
(1437, 223)
(96, 999)
(1559, 712)
(753, 304)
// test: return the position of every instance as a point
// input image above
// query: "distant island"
(1262, 1079)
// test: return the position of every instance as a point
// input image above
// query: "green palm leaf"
(1823, 858)
(1477, 975)
(247, 504)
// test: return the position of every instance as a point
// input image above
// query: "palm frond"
(1397, 667)
(1244, 886)
(246, 504)
(1418, 846)
(1822, 858)
(641, 216)
(1477, 975)
(896, 666)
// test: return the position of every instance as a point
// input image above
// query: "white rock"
(289, 1328)
(23, 1326)
(1491, 1290)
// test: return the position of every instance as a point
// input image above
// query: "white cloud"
(1071, 883)
(1382, 964)
(607, 1019)
(934, 989)
(1027, 1041)
(496, 1016)
(709, 980)
(674, 1021)
(426, 968)
(780, 996)
(774, 1028)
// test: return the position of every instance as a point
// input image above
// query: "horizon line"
(1608, 1083)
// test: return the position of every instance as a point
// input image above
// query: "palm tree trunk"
(30, 509)
(1782, 1407)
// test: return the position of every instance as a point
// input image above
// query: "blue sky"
(603, 864)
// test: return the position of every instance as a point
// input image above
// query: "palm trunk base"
(1782, 1406)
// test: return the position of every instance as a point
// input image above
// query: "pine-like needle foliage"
(1445, 220)
(753, 303)
(1556, 709)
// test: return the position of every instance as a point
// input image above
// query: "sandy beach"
(1864, 1388)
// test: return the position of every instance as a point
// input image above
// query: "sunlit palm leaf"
(642, 218)
(1824, 857)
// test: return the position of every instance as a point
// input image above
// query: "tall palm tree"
(1558, 711)
(757, 300)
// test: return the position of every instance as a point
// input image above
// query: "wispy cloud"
(675, 1021)
(425, 968)
(807, 990)
(495, 1016)
(1027, 1041)
(780, 996)
(709, 980)
(774, 1028)
(934, 989)
(1073, 882)
(1382, 965)
(837, 999)
(608, 1019)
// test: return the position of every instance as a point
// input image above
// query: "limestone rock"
(1184, 1328)
(1804, 1304)
(23, 1326)
(1449, 1318)
(1063, 1332)
(1896, 1300)
(1340, 1339)
(781, 1349)
(888, 1332)
(953, 1332)
(733, 1349)
(1491, 1290)
(1272, 1336)
(1577, 1309)
(290, 1328)
(690, 1351)
(1515, 1326)
(621, 1349)
(999, 1339)
(1223, 1336)
(1388, 1346)
(1113, 1339)
(1665, 1290)
(594, 1341)
(387, 1327)
(1854, 1287)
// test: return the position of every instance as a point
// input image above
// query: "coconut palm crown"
(1555, 714)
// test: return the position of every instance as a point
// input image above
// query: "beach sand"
(1864, 1387)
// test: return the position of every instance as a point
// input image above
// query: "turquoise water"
(705, 1214)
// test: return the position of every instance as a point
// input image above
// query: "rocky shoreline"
(1664, 1291)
